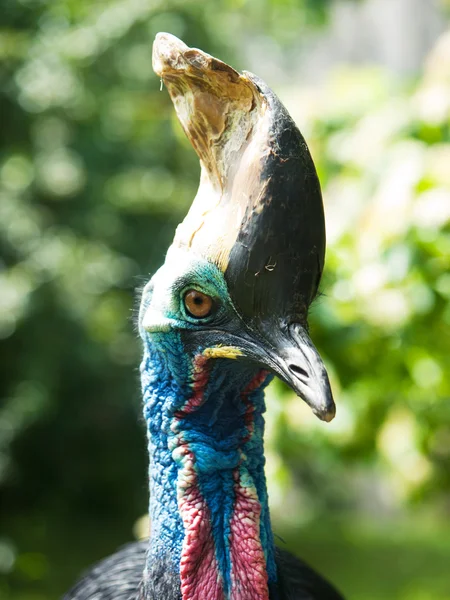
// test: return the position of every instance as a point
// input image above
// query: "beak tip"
(326, 413)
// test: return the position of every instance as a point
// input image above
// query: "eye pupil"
(197, 304)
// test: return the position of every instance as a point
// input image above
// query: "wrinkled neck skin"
(210, 526)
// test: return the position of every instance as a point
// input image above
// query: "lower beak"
(296, 361)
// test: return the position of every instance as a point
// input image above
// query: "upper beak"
(296, 361)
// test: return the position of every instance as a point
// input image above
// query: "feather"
(119, 577)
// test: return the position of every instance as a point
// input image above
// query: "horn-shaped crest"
(258, 213)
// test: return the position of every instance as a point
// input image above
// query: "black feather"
(298, 581)
(119, 577)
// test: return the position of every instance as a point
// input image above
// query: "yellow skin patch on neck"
(222, 352)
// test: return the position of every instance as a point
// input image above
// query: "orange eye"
(197, 304)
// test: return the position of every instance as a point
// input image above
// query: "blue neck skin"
(218, 435)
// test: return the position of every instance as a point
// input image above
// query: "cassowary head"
(246, 262)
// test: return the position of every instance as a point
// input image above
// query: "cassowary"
(225, 313)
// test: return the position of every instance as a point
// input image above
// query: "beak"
(289, 354)
(295, 360)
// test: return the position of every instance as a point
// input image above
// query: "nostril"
(298, 371)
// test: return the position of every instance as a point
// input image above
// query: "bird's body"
(119, 577)
(225, 312)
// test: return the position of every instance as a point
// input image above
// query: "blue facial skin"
(216, 432)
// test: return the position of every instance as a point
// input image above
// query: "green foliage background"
(95, 174)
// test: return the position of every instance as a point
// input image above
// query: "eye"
(197, 304)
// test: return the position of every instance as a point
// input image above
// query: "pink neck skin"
(199, 568)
